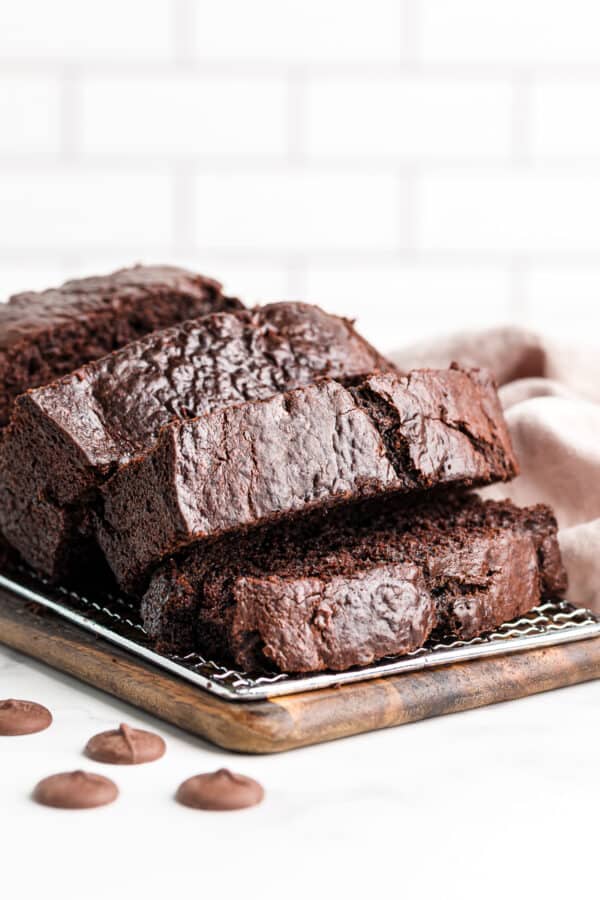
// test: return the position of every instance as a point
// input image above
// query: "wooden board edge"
(297, 720)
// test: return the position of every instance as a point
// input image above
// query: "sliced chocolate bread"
(357, 585)
(312, 447)
(46, 334)
(66, 438)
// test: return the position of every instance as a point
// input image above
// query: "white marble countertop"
(490, 802)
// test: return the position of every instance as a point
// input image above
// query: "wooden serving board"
(267, 726)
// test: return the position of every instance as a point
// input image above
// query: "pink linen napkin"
(551, 396)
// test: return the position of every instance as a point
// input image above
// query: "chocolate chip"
(75, 790)
(23, 717)
(125, 746)
(221, 790)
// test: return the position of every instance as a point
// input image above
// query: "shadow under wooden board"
(283, 723)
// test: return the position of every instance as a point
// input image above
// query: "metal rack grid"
(115, 619)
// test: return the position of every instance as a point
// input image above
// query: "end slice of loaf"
(358, 585)
(46, 334)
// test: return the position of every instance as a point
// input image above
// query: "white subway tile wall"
(29, 114)
(407, 118)
(105, 31)
(421, 165)
(291, 210)
(300, 31)
(184, 116)
(516, 32)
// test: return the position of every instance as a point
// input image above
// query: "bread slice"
(357, 585)
(313, 447)
(68, 437)
(46, 334)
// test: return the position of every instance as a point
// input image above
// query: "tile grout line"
(410, 39)
(297, 277)
(183, 21)
(296, 115)
(408, 199)
(521, 115)
(518, 304)
(265, 162)
(184, 50)
(349, 256)
(184, 211)
(70, 113)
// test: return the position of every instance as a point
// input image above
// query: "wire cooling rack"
(115, 619)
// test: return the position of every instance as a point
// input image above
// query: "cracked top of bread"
(46, 334)
(67, 437)
(114, 408)
(313, 447)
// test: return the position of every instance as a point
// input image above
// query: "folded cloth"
(551, 396)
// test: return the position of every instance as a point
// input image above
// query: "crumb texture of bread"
(359, 584)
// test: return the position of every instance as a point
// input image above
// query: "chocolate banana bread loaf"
(315, 446)
(69, 436)
(357, 585)
(47, 334)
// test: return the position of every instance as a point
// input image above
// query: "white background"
(420, 164)
(491, 804)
